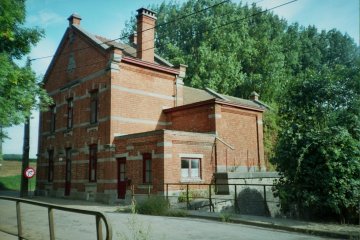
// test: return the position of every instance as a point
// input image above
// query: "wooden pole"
(25, 159)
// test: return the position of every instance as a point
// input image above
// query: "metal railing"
(51, 207)
(211, 191)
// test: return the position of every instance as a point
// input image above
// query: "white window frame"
(191, 157)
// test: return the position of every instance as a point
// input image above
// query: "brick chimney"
(74, 19)
(145, 34)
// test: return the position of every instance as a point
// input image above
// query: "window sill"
(92, 127)
(68, 132)
(145, 186)
(191, 180)
(51, 135)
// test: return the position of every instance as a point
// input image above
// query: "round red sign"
(29, 172)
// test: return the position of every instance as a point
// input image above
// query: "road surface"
(75, 226)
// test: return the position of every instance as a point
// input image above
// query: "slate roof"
(129, 50)
(193, 95)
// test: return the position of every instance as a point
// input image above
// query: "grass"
(13, 183)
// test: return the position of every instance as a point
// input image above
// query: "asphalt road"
(126, 226)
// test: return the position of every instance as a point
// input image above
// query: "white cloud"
(45, 18)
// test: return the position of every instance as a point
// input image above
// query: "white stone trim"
(141, 92)
(191, 155)
(164, 144)
(139, 120)
(216, 115)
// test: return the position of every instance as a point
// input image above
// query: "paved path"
(74, 226)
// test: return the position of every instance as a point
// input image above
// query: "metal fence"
(238, 196)
(99, 217)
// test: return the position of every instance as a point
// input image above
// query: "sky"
(108, 18)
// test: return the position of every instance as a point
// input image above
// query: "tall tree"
(318, 152)
(19, 88)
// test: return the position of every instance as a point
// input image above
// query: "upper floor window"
(51, 166)
(190, 168)
(94, 105)
(147, 168)
(92, 162)
(52, 118)
(70, 113)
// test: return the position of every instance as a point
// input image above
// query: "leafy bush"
(154, 205)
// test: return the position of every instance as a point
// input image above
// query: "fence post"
(149, 191)
(265, 204)
(236, 201)
(19, 222)
(167, 192)
(210, 200)
(51, 223)
(99, 228)
(187, 196)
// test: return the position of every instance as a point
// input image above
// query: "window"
(94, 102)
(92, 162)
(190, 168)
(52, 118)
(51, 166)
(147, 171)
(68, 164)
(70, 112)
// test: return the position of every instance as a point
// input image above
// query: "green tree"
(318, 152)
(19, 89)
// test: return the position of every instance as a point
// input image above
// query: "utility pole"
(26, 148)
(25, 159)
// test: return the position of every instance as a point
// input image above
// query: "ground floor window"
(147, 168)
(92, 162)
(190, 168)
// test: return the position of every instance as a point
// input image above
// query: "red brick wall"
(138, 97)
(193, 119)
(241, 129)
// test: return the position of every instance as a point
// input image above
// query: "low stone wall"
(253, 195)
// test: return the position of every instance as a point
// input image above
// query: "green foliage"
(154, 205)
(19, 89)
(318, 152)
(225, 217)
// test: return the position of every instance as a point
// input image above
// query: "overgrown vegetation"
(157, 205)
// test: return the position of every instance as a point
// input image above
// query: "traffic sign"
(29, 172)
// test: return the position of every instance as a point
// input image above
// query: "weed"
(225, 217)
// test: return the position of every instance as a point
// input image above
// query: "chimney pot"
(254, 96)
(74, 19)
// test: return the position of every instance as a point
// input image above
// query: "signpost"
(29, 173)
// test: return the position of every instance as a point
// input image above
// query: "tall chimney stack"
(145, 34)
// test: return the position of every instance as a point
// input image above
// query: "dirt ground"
(12, 168)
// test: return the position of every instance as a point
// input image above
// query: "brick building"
(122, 116)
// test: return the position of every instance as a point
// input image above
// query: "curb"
(281, 227)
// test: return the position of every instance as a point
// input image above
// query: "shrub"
(154, 205)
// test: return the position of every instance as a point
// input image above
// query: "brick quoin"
(143, 108)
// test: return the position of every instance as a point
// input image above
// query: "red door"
(68, 172)
(122, 181)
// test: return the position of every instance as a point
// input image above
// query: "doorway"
(122, 180)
